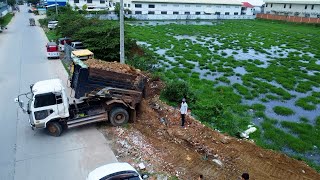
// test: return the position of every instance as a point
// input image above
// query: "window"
(268, 12)
(312, 6)
(138, 12)
(271, 5)
(208, 5)
(218, 6)
(128, 5)
(151, 6)
(163, 5)
(236, 13)
(47, 99)
(89, 1)
(76, 1)
(290, 6)
(198, 13)
(217, 13)
(125, 5)
(198, 5)
(150, 12)
(266, 4)
(227, 6)
(138, 5)
(305, 7)
(284, 6)
(307, 15)
(187, 12)
(164, 12)
(187, 5)
(176, 5)
(175, 12)
(102, 1)
(226, 13)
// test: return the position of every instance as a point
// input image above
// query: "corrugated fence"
(289, 18)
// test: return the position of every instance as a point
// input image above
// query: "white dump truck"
(104, 95)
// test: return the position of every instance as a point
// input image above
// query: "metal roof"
(293, 1)
(228, 2)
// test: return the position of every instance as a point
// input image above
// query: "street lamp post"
(122, 61)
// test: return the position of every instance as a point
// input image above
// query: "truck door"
(46, 107)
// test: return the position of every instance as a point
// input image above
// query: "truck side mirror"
(16, 100)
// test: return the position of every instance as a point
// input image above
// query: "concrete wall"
(172, 17)
(272, 8)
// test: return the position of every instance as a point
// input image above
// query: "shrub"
(176, 90)
(284, 111)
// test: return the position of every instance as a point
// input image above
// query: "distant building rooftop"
(293, 1)
(247, 5)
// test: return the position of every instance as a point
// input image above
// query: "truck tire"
(54, 129)
(119, 116)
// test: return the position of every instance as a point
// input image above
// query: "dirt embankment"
(157, 140)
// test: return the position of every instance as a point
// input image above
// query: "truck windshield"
(47, 99)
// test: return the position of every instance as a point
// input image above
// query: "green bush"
(284, 111)
(176, 90)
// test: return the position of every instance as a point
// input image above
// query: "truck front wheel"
(119, 116)
(54, 129)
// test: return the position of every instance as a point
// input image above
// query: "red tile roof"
(246, 4)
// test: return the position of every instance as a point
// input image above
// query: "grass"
(284, 111)
(6, 19)
(51, 35)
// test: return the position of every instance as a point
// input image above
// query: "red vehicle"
(52, 50)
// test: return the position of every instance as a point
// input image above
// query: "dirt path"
(157, 140)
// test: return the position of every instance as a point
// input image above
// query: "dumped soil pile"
(157, 140)
(111, 66)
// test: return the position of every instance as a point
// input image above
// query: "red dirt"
(157, 140)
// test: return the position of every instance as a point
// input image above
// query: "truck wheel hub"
(52, 129)
(119, 117)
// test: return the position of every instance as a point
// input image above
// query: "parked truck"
(104, 95)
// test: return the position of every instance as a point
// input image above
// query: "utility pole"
(122, 61)
(56, 9)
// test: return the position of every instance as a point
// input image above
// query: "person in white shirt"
(183, 111)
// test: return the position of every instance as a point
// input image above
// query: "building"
(247, 9)
(187, 7)
(301, 8)
(174, 7)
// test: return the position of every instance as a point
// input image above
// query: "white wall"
(94, 4)
(172, 17)
(294, 8)
(182, 8)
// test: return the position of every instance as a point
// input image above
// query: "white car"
(118, 171)
(52, 24)
(77, 45)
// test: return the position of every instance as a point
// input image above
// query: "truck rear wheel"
(54, 129)
(119, 116)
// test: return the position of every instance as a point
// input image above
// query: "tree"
(11, 2)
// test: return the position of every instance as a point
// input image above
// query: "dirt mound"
(111, 66)
(157, 140)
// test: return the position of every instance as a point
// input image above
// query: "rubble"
(167, 149)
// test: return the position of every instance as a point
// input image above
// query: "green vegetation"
(4, 21)
(284, 111)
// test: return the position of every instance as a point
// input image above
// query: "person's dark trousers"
(183, 116)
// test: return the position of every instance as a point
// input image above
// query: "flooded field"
(260, 72)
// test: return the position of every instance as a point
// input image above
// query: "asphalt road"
(34, 155)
